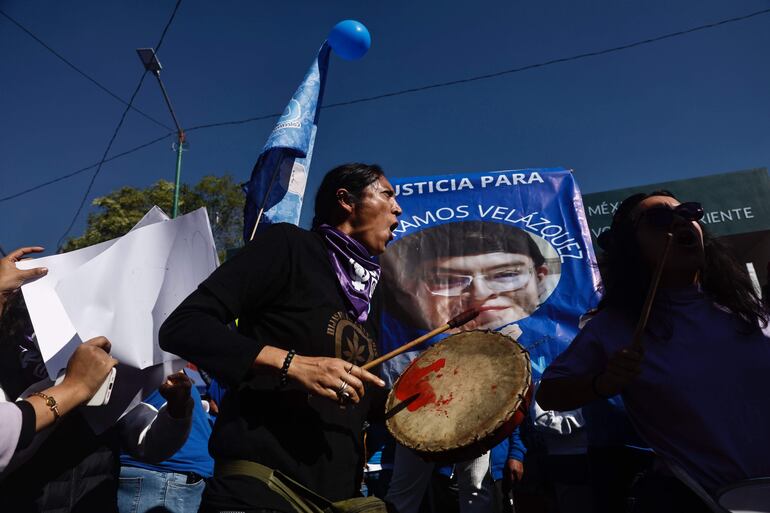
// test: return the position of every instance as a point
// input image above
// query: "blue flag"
(277, 183)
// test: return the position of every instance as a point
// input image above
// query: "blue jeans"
(147, 491)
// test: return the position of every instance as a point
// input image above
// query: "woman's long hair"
(626, 275)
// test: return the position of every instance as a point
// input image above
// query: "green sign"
(737, 202)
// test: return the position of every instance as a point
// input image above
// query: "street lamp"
(152, 64)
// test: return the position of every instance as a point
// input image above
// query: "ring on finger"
(341, 389)
(350, 369)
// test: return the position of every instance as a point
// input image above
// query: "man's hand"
(176, 391)
(11, 277)
(326, 377)
(622, 368)
(515, 470)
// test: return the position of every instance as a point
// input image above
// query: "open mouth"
(393, 229)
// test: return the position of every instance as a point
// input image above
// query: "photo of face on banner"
(444, 270)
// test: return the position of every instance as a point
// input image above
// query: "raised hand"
(622, 368)
(11, 277)
(176, 391)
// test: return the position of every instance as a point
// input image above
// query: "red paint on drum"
(415, 382)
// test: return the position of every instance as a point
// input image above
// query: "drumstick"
(456, 321)
(636, 341)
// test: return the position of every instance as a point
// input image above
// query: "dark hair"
(626, 275)
(14, 317)
(467, 238)
(353, 177)
(404, 257)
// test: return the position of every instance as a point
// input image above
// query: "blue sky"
(688, 106)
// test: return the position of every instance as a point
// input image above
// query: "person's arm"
(154, 435)
(515, 462)
(87, 369)
(570, 393)
(573, 378)
(563, 394)
(197, 330)
(21, 421)
(251, 281)
(17, 429)
(516, 448)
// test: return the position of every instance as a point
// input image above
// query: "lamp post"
(152, 64)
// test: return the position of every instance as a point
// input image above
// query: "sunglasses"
(662, 217)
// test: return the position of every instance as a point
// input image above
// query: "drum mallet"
(455, 322)
(636, 341)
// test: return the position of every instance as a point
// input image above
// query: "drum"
(461, 397)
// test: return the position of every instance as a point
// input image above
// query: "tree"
(120, 210)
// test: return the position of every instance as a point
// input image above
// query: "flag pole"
(264, 201)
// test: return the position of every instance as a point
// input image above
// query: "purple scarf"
(357, 273)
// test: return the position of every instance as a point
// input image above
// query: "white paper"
(100, 271)
(56, 335)
(126, 291)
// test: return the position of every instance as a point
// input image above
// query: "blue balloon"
(350, 39)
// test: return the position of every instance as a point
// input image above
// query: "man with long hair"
(696, 387)
(303, 301)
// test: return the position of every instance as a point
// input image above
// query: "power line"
(84, 169)
(496, 74)
(117, 129)
(418, 89)
(101, 162)
(79, 71)
(235, 122)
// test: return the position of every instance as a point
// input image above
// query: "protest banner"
(513, 243)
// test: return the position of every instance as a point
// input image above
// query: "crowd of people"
(287, 419)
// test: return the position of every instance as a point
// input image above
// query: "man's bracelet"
(596, 390)
(51, 403)
(284, 376)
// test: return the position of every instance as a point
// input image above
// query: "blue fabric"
(512, 448)
(698, 359)
(287, 154)
(607, 425)
(194, 454)
(146, 491)
(380, 445)
(216, 392)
